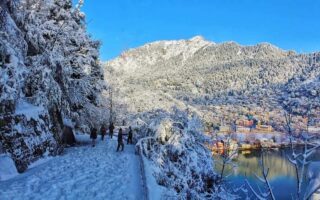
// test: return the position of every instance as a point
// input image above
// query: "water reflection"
(282, 174)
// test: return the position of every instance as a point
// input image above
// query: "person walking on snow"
(120, 141)
(111, 128)
(129, 141)
(103, 131)
(93, 136)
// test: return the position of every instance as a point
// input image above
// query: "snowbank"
(7, 167)
(154, 190)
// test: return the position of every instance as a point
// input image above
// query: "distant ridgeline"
(221, 82)
(49, 72)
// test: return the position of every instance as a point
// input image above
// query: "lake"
(282, 175)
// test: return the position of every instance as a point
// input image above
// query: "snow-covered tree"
(50, 71)
(173, 148)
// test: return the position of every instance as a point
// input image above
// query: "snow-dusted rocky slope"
(49, 72)
(204, 76)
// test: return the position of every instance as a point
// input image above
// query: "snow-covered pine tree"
(50, 71)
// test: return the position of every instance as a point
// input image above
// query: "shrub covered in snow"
(173, 146)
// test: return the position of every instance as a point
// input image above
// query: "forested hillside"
(211, 78)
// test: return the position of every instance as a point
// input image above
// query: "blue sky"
(124, 24)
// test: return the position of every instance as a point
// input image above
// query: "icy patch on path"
(81, 173)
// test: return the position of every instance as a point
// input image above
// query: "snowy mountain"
(203, 76)
(50, 74)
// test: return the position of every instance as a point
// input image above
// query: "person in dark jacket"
(111, 128)
(93, 136)
(68, 136)
(129, 141)
(103, 131)
(120, 141)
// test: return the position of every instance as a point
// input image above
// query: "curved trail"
(81, 173)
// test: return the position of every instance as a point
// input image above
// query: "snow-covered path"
(81, 173)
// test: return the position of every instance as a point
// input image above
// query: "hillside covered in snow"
(212, 79)
(50, 74)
